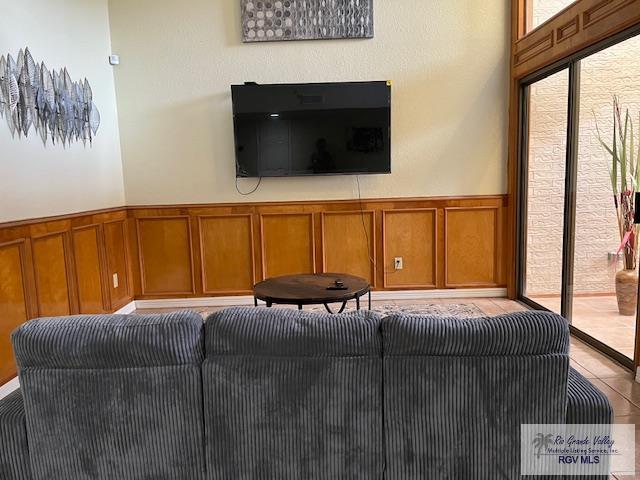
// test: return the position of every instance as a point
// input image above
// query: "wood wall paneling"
(287, 244)
(472, 247)
(51, 264)
(13, 303)
(117, 260)
(575, 28)
(227, 254)
(349, 244)
(412, 235)
(89, 263)
(166, 261)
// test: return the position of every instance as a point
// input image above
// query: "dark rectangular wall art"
(282, 20)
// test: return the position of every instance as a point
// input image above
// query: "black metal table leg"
(300, 307)
(369, 299)
(344, 305)
(255, 301)
(269, 304)
(358, 303)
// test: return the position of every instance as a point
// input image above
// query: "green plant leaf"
(624, 165)
(614, 153)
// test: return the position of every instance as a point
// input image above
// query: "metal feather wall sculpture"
(55, 106)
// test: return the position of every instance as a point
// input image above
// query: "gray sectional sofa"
(280, 394)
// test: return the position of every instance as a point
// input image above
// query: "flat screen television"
(312, 129)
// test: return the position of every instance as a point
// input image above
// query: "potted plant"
(625, 181)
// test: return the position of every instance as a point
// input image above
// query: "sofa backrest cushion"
(293, 395)
(113, 396)
(110, 341)
(522, 333)
(282, 332)
(458, 390)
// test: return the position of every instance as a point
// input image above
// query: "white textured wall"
(36, 181)
(615, 71)
(448, 61)
(543, 10)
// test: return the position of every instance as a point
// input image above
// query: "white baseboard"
(376, 296)
(128, 308)
(10, 387)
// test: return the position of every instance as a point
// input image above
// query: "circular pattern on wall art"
(268, 20)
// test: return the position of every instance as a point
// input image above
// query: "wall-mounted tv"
(312, 129)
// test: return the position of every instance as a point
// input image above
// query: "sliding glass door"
(575, 231)
(545, 189)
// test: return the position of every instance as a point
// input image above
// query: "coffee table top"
(310, 289)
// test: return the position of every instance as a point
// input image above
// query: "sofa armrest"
(14, 453)
(585, 403)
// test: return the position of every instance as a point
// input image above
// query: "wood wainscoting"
(61, 266)
(67, 265)
(224, 249)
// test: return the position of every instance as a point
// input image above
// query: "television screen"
(312, 129)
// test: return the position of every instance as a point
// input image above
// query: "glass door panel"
(545, 189)
(614, 71)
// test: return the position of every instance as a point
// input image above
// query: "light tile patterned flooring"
(598, 316)
(616, 382)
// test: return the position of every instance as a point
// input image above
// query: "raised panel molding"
(531, 47)
(166, 259)
(568, 30)
(602, 10)
(575, 28)
(117, 263)
(227, 254)
(349, 244)
(14, 308)
(412, 235)
(51, 265)
(89, 268)
(287, 244)
(472, 246)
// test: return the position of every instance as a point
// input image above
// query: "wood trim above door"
(578, 27)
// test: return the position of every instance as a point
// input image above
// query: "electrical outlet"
(398, 263)
(116, 283)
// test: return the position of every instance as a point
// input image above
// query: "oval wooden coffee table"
(318, 289)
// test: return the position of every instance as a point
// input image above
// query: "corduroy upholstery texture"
(292, 395)
(14, 452)
(457, 390)
(113, 397)
(585, 403)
